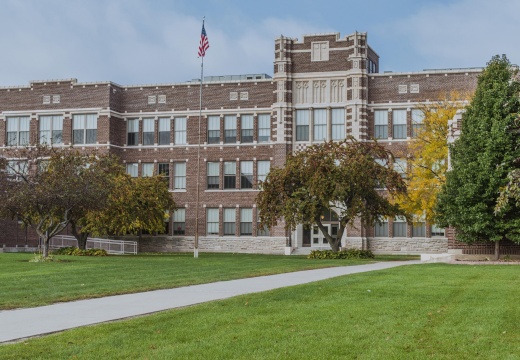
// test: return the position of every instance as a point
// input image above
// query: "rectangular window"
(246, 129)
(400, 165)
(229, 221)
(131, 169)
(417, 122)
(148, 131)
(179, 175)
(133, 132)
(399, 124)
(263, 167)
(246, 221)
(147, 170)
(419, 229)
(164, 131)
(437, 231)
(84, 128)
(18, 131)
(338, 124)
(381, 228)
(302, 125)
(51, 129)
(213, 175)
(261, 230)
(381, 124)
(213, 129)
(230, 129)
(320, 125)
(164, 171)
(179, 222)
(399, 227)
(230, 175)
(246, 174)
(212, 220)
(264, 128)
(180, 131)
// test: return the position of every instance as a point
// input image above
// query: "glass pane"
(164, 124)
(148, 125)
(213, 168)
(229, 215)
(147, 169)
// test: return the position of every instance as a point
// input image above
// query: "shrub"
(343, 254)
(38, 258)
(74, 251)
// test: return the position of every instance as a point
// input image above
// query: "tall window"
(51, 129)
(400, 165)
(180, 131)
(179, 222)
(399, 124)
(230, 175)
(381, 124)
(164, 131)
(264, 127)
(263, 167)
(320, 125)
(229, 221)
(381, 228)
(230, 129)
(261, 230)
(302, 125)
(338, 124)
(399, 226)
(18, 131)
(213, 129)
(212, 219)
(179, 176)
(164, 171)
(246, 174)
(213, 175)
(246, 221)
(419, 229)
(148, 131)
(132, 131)
(147, 170)
(417, 122)
(246, 128)
(84, 128)
(132, 169)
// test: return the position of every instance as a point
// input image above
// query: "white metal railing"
(111, 246)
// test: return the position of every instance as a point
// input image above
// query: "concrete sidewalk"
(23, 323)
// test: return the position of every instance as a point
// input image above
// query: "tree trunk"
(497, 250)
(45, 245)
(80, 236)
(335, 245)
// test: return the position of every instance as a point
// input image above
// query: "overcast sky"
(155, 41)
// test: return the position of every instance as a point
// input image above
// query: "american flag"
(204, 43)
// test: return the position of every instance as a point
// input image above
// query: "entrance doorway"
(317, 237)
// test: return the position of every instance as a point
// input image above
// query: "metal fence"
(111, 246)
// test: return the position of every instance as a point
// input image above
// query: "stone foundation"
(408, 245)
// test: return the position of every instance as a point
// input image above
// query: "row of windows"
(400, 228)
(163, 169)
(164, 128)
(399, 123)
(245, 135)
(317, 121)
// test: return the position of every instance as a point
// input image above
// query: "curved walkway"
(23, 323)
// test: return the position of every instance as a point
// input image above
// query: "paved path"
(23, 323)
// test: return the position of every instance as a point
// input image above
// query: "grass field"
(24, 284)
(432, 311)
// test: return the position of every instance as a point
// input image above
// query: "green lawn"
(432, 311)
(24, 284)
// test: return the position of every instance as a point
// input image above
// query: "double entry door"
(317, 239)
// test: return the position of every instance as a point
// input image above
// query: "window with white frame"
(399, 226)
(213, 175)
(320, 125)
(17, 168)
(400, 166)
(147, 170)
(417, 122)
(246, 221)
(180, 131)
(132, 169)
(399, 124)
(302, 125)
(381, 228)
(246, 129)
(229, 221)
(213, 129)
(264, 127)
(51, 129)
(381, 124)
(246, 174)
(164, 171)
(132, 126)
(84, 129)
(261, 230)
(230, 129)
(212, 219)
(148, 131)
(179, 175)
(437, 231)
(320, 51)
(263, 167)
(338, 124)
(18, 130)
(164, 131)
(230, 175)
(179, 222)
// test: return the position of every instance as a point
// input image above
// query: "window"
(320, 51)
(264, 128)
(263, 167)
(400, 165)
(164, 131)
(131, 169)
(381, 228)
(261, 230)
(179, 176)
(212, 219)
(230, 175)
(381, 124)
(229, 221)
(338, 124)
(17, 168)
(213, 129)
(84, 129)
(417, 122)
(246, 221)
(437, 231)
(320, 125)
(51, 129)
(180, 131)
(230, 129)
(147, 170)
(246, 128)
(179, 222)
(133, 131)
(399, 124)
(246, 174)
(164, 171)
(18, 131)
(302, 125)
(419, 229)
(148, 131)
(213, 175)
(399, 227)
